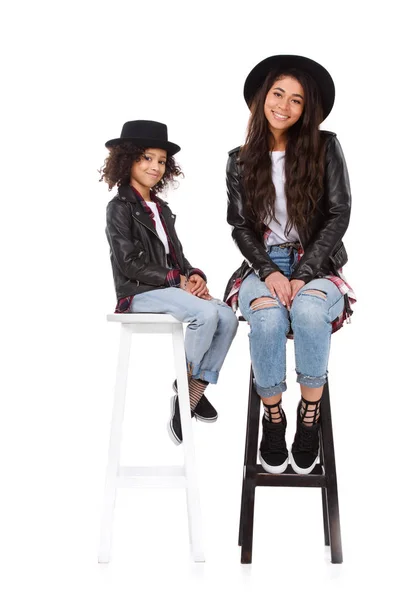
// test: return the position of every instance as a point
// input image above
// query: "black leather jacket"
(324, 252)
(137, 253)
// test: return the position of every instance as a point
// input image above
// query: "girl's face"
(147, 172)
(284, 104)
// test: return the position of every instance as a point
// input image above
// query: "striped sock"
(196, 390)
(275, 415)
(310, 412)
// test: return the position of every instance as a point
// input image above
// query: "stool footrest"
(289, 478)
(164, 476)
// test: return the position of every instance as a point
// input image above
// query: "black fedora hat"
(145, 134)
(322, 78)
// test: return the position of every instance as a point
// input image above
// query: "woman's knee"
(310, 309)
(266, 315)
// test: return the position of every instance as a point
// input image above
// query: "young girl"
(289, 206)
(151, 272)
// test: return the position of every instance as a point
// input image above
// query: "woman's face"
(149, 169)
(284, 104)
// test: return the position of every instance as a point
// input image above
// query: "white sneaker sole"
(298, 469)
(212, 420)
(275, 470)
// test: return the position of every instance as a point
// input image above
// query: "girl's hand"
(295, 286)
(184, 282)
(279, 285)
(198, 286)
(206, 297)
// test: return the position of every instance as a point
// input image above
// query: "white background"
(72, 74)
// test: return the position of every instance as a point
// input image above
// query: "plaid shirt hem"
(173, 278)
(123, 304)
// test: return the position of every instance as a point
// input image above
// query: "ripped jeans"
(310, 318)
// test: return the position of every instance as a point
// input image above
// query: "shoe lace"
(276, 440)
(306, 438)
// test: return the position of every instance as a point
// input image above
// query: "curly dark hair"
(304, 158)
(116, 169)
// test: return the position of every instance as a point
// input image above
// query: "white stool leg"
(115, 444)
(192, 492)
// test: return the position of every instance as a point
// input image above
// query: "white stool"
(163, 476)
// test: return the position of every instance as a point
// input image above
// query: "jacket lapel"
(169, 220)
(127, 195)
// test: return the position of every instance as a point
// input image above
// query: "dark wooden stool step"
(323, 476)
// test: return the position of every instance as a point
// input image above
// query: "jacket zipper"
(301, 241)
(153, 232)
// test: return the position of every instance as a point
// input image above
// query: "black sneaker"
(305, 447)
(273, 451)
(174, 426)
(204, 410)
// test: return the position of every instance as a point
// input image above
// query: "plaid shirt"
(340, 282)
(173, 278)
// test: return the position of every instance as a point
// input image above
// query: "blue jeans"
(212, 327)
(310, 318)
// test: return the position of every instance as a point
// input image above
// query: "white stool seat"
(156, 476)
(142, 318)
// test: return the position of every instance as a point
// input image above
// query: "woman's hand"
(198, 286)
(279, 285)
(295, 286)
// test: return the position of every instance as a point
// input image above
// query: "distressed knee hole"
(317, 293)
(260, 303)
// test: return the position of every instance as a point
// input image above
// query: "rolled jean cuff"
(310, 381)
(264, 392)
(196, 372)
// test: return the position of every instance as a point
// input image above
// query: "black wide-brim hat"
(145, 134)
(322, 78)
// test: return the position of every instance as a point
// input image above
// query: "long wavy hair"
(304, 158)
(116, 169)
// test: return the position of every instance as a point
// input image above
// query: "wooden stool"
(160, 476)
(322, 476)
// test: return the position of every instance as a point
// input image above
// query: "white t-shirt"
(159, 226)
(277, 235)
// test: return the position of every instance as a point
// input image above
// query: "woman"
(289, 206)
(151, 272)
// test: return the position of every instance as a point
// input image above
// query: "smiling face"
(284, 104)
(148, 170)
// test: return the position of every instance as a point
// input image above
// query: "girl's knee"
(228, 320)
(208, 314)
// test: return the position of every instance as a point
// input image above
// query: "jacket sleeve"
(337, 197)
(243, 233)
(129, 254)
